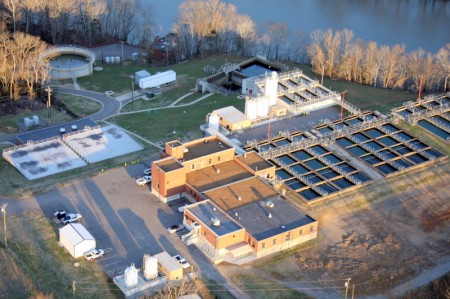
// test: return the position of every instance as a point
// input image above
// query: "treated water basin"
(404, 163)
(309, 194)
(441, 119)
(282, 142)
(287, 100)
(361, 137)
(342, 183)
(434, 153)
(357, 151)
(419, 144)
(328, 173)
(332, 158)
(386, 168)
(361, 176)
(404, 112)
(298, 138)
(372, 159)
(374, 145)
(390, 128)
(313, 178)
(266, 147)
(286, 160)
(295, 184)
(344, 142)
(320, 150)
(341, 125)
(416, 158)
(402, 149)
(387, 141)
(328, 188)
(325, 130)
(283, 174)
(369, 117)
(314, 164)
(374, 133)
(300, 169)
(345, 167)
(434, 129)
(387, 153)
(403, 135)
(301, 155)
(354, 121)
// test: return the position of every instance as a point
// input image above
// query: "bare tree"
(15, 9)
(443, 60)
(273, 38)
(392, 61)
(31, 7)
(246, 34)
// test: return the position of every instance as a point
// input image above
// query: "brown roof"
(217, 175)
(254, 161)
(168, 164)
(249, 190)
(201, 149)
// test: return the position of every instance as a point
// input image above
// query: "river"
(414, 23)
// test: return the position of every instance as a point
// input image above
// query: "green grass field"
(80, 105)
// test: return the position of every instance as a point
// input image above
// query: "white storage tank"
(117, 59)
(263, 106)
(131, 276)
(271, 88)
(150, 267)
(36, 119)
(28, 122)
(213, 121)
(108, 59)
(251, 107)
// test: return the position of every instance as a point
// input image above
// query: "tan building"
(169, 266)
(232, 119)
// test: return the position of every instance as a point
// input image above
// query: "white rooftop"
(76, 232)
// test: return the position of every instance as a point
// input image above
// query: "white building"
(76, 239)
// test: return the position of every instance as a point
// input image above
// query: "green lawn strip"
(257, 287)
(160, 125)
(80, 105)
(216, 290)
(8, 124)
(49, 267)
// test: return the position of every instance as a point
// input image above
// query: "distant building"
(165, 49)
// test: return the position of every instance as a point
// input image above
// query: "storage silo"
(251, 108)
(117, 59)
(131, 276)
(150, 267)
(263, 106)
(107, 59)
(213, 121)
(271, 88)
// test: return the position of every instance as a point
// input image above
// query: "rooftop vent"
(214, 209)
(239, 198)
(215, 221)
(270, 215)
(186, 150)
(236, 214)
(269, 204)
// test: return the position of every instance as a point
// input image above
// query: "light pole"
(4, 222)
(122, 50)
(132, 87)
(347, 283)
(49, 103)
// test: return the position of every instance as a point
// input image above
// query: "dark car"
(60, 214)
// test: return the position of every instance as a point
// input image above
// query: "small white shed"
(75, 238)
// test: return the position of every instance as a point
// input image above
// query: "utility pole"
(353, 292)
(122, 50)
(342, 102)
(74, 287)
(347, 283)
(132, 87)
(4, 223)
(49, 102)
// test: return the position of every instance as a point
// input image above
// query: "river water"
(414, 23)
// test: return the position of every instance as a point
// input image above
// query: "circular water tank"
(131, 276)
(251, 108)
(117, 59)
(271, 88)
(108, 59)
(28, 122)
(263, 106)
(213, 121)
(36, 119)
(150, 267)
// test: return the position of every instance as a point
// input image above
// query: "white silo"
(117, 59)
(251, 107)
(150, 267)
(271, 88)
(131, 276)
(108, 59)
(213, 121)
(263, 106)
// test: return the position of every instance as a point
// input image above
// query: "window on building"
(288, 237)
(274, 241)
(263, 245)
(193, 166)
(210, 161)
(253, 244)
(311, 229)
(218, 158)
(301, 232)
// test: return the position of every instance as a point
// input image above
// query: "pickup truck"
(144, 180)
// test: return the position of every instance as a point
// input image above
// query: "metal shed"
(75, 238)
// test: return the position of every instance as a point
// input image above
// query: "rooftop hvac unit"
(269, 204)
(213, 121)
(215, 221)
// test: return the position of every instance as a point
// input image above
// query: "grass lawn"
(80, 105)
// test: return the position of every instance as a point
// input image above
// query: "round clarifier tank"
(68, 61)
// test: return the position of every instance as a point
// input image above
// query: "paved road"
(110, 106)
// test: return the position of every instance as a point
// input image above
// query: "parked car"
(60, 214)
(148, 171)
(144, 180)
(174, 228)
(69, 218)
(93, 254)
(182, 261)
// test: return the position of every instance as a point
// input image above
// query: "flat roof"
(169, 164)
(217, 176)
(232, 114)
(207, 147)
(284, 217)
(167, 261)
(206, 210)
(254, 161)
(248, 191)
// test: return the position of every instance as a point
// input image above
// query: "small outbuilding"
(140, 75)
(169, 266)
(75, 238)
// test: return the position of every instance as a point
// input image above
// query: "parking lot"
(126, 219)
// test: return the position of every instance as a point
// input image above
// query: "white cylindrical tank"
(150, 267)
(213, 121)
(108, 59)
(271, 88)
(131, 276)
(263, 106)
(27, 121)
(36, 119)
(251, 107)
(117, 59)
